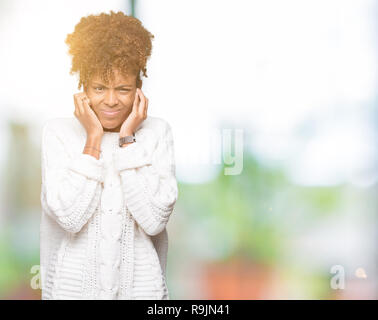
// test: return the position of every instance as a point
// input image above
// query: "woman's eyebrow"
(125, 85)
(121, 86)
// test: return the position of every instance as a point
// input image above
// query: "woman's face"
(112, 103)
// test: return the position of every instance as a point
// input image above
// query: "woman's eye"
(98, 88)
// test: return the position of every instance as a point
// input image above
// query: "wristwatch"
(126, 139)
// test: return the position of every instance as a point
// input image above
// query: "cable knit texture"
(103, 224)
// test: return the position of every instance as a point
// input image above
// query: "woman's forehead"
(119, 79)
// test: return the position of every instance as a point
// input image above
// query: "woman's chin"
(110, 127)
(109, 124)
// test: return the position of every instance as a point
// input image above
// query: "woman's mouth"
(110, 114)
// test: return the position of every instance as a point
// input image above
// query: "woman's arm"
(149, 182)
(71, 187)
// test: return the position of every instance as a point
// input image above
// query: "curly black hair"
(104, 42)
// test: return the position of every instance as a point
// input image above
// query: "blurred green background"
(298, 78)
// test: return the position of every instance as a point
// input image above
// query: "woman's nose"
(110, 98)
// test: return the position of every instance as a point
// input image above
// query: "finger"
(145, 112)
(80, 95)
(80, 105)
(88, 110)
(85, 104)
(88, 104)
(145, 107)
(136, 101)
(88, 100)
(142, 103)
(141, 95)
(77, 96)
(76, 103)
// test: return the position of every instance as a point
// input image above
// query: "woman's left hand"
(137, 115)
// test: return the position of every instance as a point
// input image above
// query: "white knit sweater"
(103, 224)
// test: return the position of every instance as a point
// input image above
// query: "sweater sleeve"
(148, 181)
(71, 186)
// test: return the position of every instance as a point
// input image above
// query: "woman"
(105, 200)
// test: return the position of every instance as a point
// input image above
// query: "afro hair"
(104, 42)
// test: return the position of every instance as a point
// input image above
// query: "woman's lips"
(110, 114)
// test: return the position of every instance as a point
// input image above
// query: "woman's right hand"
(84, 113)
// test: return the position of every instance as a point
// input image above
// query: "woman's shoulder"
(156, 124)
(63, 126)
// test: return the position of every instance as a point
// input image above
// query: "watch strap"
(126, 139)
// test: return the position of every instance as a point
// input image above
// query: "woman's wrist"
(93, 146)
(93, 152)
(94, 140)
(125, 133)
